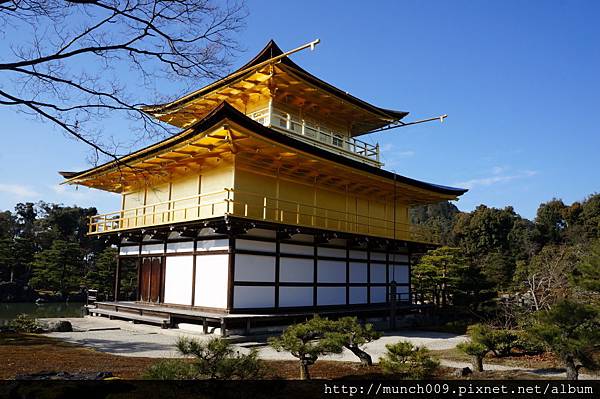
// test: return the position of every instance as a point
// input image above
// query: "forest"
(489, 259)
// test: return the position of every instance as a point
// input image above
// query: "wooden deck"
(165, 316)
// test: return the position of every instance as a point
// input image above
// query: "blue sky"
(519, 80)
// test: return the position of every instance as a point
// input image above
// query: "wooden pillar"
(393, 297)
(117, 277)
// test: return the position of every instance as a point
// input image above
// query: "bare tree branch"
(77, 63)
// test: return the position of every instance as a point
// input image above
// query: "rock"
(58, 326)
(463, 372)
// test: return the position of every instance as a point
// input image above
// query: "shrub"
(217, 359)
(410, 361)
(25, 324)
(354, 336)
(528, 344)
(499, 341)
(477, 352)
(571, 331)
(503, 341)
(170, 369)
(309, 340)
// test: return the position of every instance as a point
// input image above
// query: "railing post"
(297, 213)
(264, 208)
(228, 199)
(377, 152)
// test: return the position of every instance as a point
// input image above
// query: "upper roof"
(225, 113)
(371, 117)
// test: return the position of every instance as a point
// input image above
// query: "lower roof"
(225, 112)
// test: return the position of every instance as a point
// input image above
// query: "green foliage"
(572, 332)
(587, 272)
(409, 361)
(550, 221)
(354, 335)
(170, 369)
(58, 268)
(499, 341)
(528, 345)
(473, 348)
(476, 350)
(309, 340)
(437, 219)
(102, 273)
(444, 277)
(218, 359)
(25, 324)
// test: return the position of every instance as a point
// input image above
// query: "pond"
(9, 311)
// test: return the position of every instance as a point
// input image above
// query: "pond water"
(9, 311)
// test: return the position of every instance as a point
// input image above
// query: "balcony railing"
(256, 207)
(319, 135)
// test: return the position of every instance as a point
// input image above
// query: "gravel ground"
(126, 339)
(123, 338)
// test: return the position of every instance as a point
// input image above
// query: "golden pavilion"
(266, 204)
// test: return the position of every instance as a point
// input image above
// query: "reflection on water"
(9, 311)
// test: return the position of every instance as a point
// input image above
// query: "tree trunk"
(365, 358)
(572, 372)
(477, 363)
(304, 374)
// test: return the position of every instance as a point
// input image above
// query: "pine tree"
(59, 268)
(587, 272)
(572, 332)
(308, 341)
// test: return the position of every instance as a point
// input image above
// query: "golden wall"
(198, 195)
(262, 197)
(280, 199)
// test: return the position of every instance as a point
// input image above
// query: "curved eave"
(225, 112)
(269, 51)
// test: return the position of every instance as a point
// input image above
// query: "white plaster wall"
(296, 249)
(377, 273)
(213, 245)
(358, 272)
(254, 268)
(174, 247)
(254, 297)
(211, 281)
(358, 295)
(296, 270)
(130, 250)
(178, 279)
(331, 271)
(295, 296)
(252, 245)
(331, 295)
(399, 274)
(377, 294)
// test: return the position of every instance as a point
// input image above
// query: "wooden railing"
(319, 135)
(194, 207)
(256, 207)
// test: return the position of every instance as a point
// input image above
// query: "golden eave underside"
(226, 142)
(283, 85)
